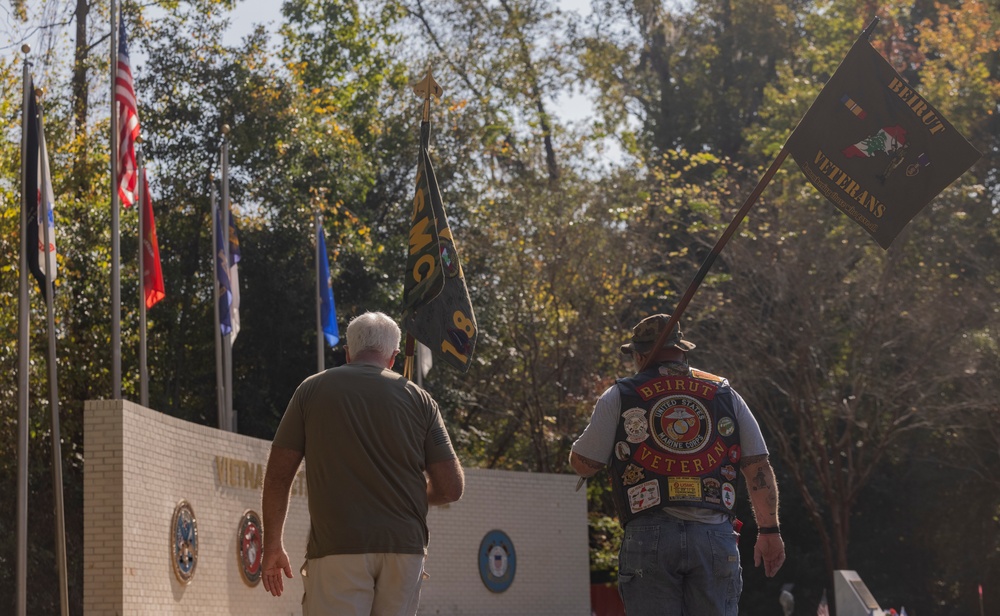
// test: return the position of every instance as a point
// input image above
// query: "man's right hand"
(275, 562)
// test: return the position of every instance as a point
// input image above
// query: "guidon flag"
(437, 310)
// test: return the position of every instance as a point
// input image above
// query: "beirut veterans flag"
(876, 148)
(436, 303)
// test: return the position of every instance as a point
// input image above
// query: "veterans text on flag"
(876, 148)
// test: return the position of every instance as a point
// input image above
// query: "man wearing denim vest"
(675, 441)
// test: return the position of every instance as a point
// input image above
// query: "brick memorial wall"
(144, 472)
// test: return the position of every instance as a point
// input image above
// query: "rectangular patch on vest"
(684, 489)
(643, 496)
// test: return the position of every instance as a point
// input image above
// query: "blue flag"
(224, 292)
(328, 312)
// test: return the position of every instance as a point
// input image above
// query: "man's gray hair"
(373, 331)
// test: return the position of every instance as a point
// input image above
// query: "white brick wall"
(140, 463)
(546, 521)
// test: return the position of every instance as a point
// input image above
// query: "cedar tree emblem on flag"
(870, 151)
(128, 122)
(436, 304)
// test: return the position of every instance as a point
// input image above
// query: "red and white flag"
(128, 123)
(824, 607)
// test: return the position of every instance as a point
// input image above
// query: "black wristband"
(768, 530)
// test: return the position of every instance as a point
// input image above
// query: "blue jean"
(671, 567)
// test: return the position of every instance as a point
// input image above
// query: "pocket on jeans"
(725, 555)
(638, 552)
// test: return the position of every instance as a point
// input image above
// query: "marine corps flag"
(437, 310)
(876, 148)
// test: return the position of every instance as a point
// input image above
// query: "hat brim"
(682, 345)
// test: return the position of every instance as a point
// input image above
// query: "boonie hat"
(647, 331)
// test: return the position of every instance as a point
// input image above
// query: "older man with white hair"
(377, 454)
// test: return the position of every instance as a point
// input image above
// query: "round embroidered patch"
(184, 542)
(249, 548)
(726, 426)
(680, 424)
(497, 561)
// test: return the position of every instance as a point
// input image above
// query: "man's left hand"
(275, 562)
(770, 550)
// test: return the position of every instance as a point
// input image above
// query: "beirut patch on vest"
(676, 384)
(643, 496)
(634, 421)
(684, 489)
(728, 495)
(632, 474)
(680, 424)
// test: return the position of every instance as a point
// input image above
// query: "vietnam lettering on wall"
(234, 473)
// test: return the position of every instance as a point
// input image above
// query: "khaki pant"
(362, 585)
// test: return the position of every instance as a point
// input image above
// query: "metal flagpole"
(140, 191)
(116, 291)
(220, 385)
(710, 259)
(22, 359)
(320, 359)
(227, 340)
(57, 478)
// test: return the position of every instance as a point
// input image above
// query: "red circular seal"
(249, 547)
(680, 424)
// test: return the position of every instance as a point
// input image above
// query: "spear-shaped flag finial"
(425, 88)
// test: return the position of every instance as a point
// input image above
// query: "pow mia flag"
(876, 148)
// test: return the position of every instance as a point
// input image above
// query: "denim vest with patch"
(677, 444)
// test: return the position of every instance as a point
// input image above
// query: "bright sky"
(572, 106)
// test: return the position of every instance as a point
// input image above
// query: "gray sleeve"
(751, 440)
(598, 439)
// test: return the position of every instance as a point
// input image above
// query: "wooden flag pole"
(710, 259)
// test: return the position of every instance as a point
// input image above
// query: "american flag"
(128, 122)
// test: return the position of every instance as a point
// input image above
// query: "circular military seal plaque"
(249, 548)
(184, 542)
(497, 561)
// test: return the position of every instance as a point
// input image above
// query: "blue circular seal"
(497, 561)
(184, 542)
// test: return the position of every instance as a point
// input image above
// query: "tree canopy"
(873, 373)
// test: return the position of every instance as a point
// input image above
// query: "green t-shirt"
(367, 435)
